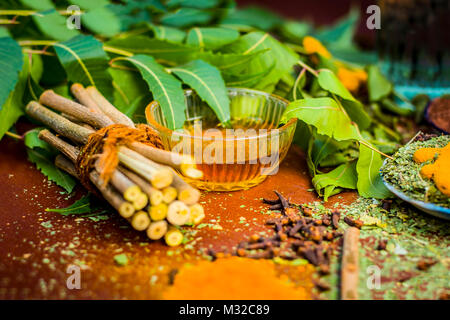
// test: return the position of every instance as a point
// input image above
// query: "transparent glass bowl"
(239, 155)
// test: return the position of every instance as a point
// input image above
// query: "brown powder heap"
(439, 113)
(236, 278)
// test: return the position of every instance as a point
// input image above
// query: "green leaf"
(199, 4)
(44, 162)
(40, 5)
(295, 31)
(370, 183)
(32, 141)
(341, 33)
(207, 81)
(328, 81)
(53, 25)
(283, 57)
(13, 107)
(343, 176)
(325, 146)
(211, 38)
(231, 63)
(356, 112)
(324, 114)
(163, 51)
(378, 86)
(245, 80)
(253, 16)
(11, 62)
(85, 62)
(168, 33)
(165, 88)
(102, 21)
(186, 17)
(128, 86)
(89, 4)
(81, 206)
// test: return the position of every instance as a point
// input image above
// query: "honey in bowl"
(236, 155)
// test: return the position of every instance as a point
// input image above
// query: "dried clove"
(321, 286)
(271, 202)
(382, 244)
(283, 200)
(353, 222)
(426, 264)
(335, 217)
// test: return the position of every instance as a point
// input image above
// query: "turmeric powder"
(237, 278)
(312, 45)
(439, 171)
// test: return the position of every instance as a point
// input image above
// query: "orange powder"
(236, 278)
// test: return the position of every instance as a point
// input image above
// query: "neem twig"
(186, 192)
(140, 221)
(350, 263)
(108, 109)
(157, 230)
(67, 149)
(65, 164)
(58, 123)
(155, 196)
(84, 98)
(74, 109)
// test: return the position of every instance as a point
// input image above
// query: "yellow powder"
(237, 278)
(312, 45)
(439, 171)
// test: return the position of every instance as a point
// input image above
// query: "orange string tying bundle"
(102, 146)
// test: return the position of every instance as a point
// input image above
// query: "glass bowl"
(238, 155)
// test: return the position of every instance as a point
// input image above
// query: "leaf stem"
(297, 81)
(19, 13)
(118, 51)
(304, 65)
(36, 42)
(13, 135)
(368, 145)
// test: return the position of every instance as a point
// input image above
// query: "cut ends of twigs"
(350, 265)
(173, 237)
(157, 230)
(169, 194)
(140, 221)
(126, 210)
(158, 212)
(178, 213)
(197, 214)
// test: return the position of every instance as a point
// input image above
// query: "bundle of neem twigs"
(143, 188)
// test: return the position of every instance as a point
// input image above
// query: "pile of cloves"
(297, 235)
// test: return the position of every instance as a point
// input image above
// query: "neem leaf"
(32, 140)
(207, 81)
(166, 89)
(81, 206)
(85, 62)
(378, 86)
(283, 57)
(12, 109)
(356, 112)
(253, 16)
(44, 162)
(102, 21)
(11, 62)
(294, 31)
(40, 5)
(186, 17)
(161, 50)
(168, 33)
(231, 63)
(328, 81)
(324, 114)
(343, 176)
(370, 183)
(211, 38)
(199, 4)
(89, 4)
(54, 25)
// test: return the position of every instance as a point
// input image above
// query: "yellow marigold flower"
(312, 45)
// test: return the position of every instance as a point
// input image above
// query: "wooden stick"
(178, 213)
(158, 212)
(159, 176)
(130, 190)
(141, 201)
(74, 109)
(154, 195)
(140, 221)
(124, 208)
(56, 122)
(84, 98)
(186, 192)
(65, 164)
(169, 194)
(173, 237)
(185, 164)
(197, 213)
(108, 109)
(350, 265)
(67, 149)
(157, 230)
